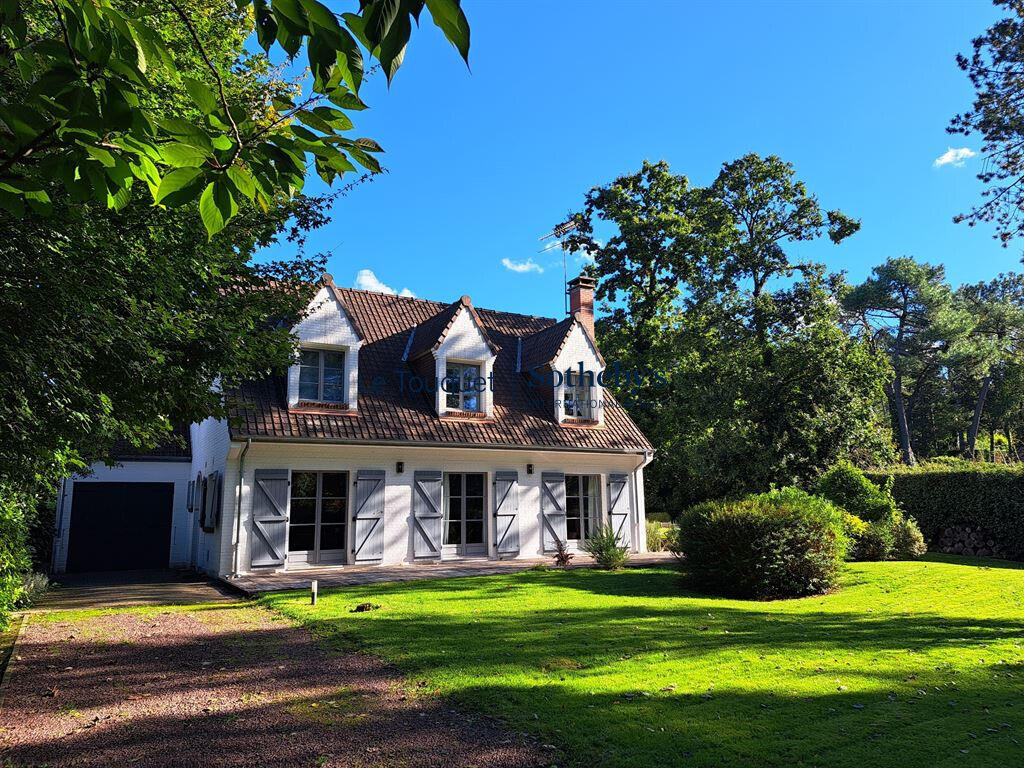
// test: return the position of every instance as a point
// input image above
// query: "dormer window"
(463, 387)
(322, 376)
(579, 398)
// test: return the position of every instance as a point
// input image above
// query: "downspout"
(238, 509)
(648, 458)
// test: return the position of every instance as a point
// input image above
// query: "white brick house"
(369, 452)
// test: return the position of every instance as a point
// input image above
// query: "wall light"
(529, 469)
(399, 467)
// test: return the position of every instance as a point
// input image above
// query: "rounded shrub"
(847, 487)
(908, 541)
(784, 543)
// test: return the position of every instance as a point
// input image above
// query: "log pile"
(969, 540)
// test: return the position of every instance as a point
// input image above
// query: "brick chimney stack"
(581, 299)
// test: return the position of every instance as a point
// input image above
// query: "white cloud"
(366, 280)
(522, 266)
(954, 157)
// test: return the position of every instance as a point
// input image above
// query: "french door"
(464, 513)
(318, 518)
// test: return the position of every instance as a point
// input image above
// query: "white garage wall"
(176, 472)
(210, 444)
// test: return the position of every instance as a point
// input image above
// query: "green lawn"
(909, 664)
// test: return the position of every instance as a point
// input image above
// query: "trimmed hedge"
(955, 493)
(784, 543)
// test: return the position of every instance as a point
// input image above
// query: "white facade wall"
(578, 349)
(398, 542)
(148, 471)
(327, 327)
(210, 443)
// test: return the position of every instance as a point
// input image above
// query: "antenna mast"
(558, 233)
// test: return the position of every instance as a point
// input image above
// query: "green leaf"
(216, 206)
(182, 155)
(346, 99)
(201, 94)
(101, 154)
(266, 25)
(175, 181)
(291, 10)
(350, 61)
(449, 18)
(392, 47)
(337, 119)
(379, 17)
(187, 132)
(242, 180)
(314, 121)
(368, 145)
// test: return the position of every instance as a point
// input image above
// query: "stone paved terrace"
(356, 575)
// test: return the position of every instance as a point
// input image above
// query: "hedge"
(962, 493)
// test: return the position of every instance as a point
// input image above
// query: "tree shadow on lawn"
(238, 686)
(973, 723)
(732, 683)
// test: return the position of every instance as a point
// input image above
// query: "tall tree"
(907, 309)
(677, 267)
(997, 115)
(765, 208)
(998, 311)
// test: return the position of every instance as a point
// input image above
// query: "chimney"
(581, 299)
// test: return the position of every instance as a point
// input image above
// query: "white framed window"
(464, 511)
(582, 514)
(578, 398)
(322, 375)
(462, 387)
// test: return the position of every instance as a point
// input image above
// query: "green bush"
(847, 487)
(14, 554)
(657, 536)
(785, 543)
(908, 541)
(660, 517)
(603, 545)
(875, 543)
(961, 493)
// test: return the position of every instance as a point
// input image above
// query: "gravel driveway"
(222, 685)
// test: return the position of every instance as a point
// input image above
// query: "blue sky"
(564, 96)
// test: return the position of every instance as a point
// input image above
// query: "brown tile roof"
(523, 417)
(178, 445)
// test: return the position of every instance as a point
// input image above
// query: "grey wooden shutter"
(506, 512)
(427, 518)
(618, 509)
(552, 506)
(211, 502)
(368, 518)
(269, 517)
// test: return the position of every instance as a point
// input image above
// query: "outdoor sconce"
(399, 467)
(529, 469)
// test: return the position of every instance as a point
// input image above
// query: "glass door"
(318, 516)
(464, 513)
(581, 506)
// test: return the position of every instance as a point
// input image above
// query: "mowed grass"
(909, 664)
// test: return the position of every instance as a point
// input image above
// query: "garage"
(120, 526)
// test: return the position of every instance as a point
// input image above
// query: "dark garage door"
(120, 526)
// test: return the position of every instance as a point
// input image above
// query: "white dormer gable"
(465, 343)
(578, 349)
(327, 328)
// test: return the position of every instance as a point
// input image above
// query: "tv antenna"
(558, 233)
